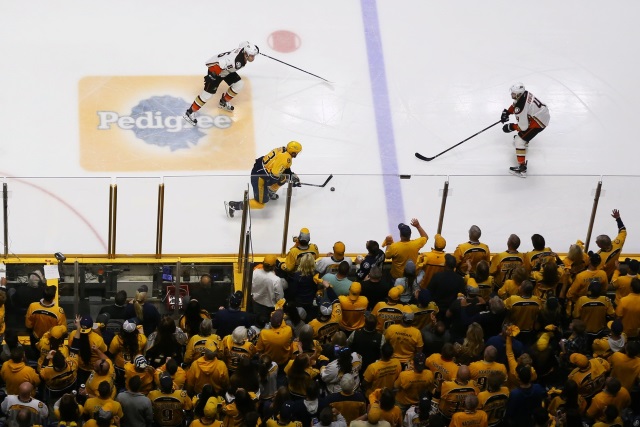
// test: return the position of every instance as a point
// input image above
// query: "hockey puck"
(333, 188)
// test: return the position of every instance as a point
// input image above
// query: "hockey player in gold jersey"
(269, 173)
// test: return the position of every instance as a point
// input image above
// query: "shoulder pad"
(61, 310)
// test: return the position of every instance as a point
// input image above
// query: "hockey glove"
(508, 128)
(295, 180)
(505, 116)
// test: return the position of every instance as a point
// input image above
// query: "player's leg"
(235, 86)
(273, 188)
(211, 83)
(260, 196)
(521, 154)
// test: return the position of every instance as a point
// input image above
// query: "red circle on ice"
(284, 41)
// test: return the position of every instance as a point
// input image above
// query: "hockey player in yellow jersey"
(269, 173)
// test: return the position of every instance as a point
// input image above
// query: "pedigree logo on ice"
(135, 124)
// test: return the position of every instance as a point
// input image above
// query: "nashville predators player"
(269, 173)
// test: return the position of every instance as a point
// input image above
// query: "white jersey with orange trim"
(529, 108)
(226, 63)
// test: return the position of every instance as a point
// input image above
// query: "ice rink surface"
(406, 76)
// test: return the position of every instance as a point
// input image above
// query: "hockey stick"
(428, 159)
(300, 69)
(318, 185)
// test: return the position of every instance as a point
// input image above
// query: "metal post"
(246, 276)
(177, 287)
(287, 212)
(115, 221)
(445, 193)
(593, 215)
(76, 287)
(5, 210)
(243, 227)
(159, 220)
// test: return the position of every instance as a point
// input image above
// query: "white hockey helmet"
(249, 49)
(517, 90)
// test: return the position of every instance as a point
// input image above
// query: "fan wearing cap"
(610, 249)
(373, 258)
(353, 307)
(391, 311)
(199, 342)
(126, 344)
(207, 369)
(301, 246)
(413, 383)
(406, 249)
(621, 280)
(87, 344)
(59, 374)
(52, 340)
(327, 323)
(266, 287)
(140, 367)
(594, 309)
(330, 263)
(211, 409)
(44, 314)
(429, 263)
(629, 310)
(169, 405)
(276, 341)
(103, 400)
(405, 338)
(589, 374)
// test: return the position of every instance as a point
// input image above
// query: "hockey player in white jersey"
(223, 67)
(532, 117)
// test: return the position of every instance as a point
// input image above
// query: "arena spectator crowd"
(460, 339)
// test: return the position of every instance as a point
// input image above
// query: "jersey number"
(538, 103)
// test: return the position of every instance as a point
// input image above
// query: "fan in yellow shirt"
(494, 399)
(590, 375)
(169, 406)
(140, 368)
(404, 250)
(276, 341)
(481, 370)
(411, 384)
(405, 339)
(102, 401)
(471, 416)
(383, 372)
(453, 393)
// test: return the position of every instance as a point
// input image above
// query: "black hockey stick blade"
(318, 185)
(428, 159)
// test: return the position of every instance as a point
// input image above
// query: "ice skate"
(231, 207)
(520, 170)
(225, 105)
(273, 195)
(190, 117)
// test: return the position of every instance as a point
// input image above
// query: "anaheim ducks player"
(532, 117)
(223, 67)
(269, 173)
